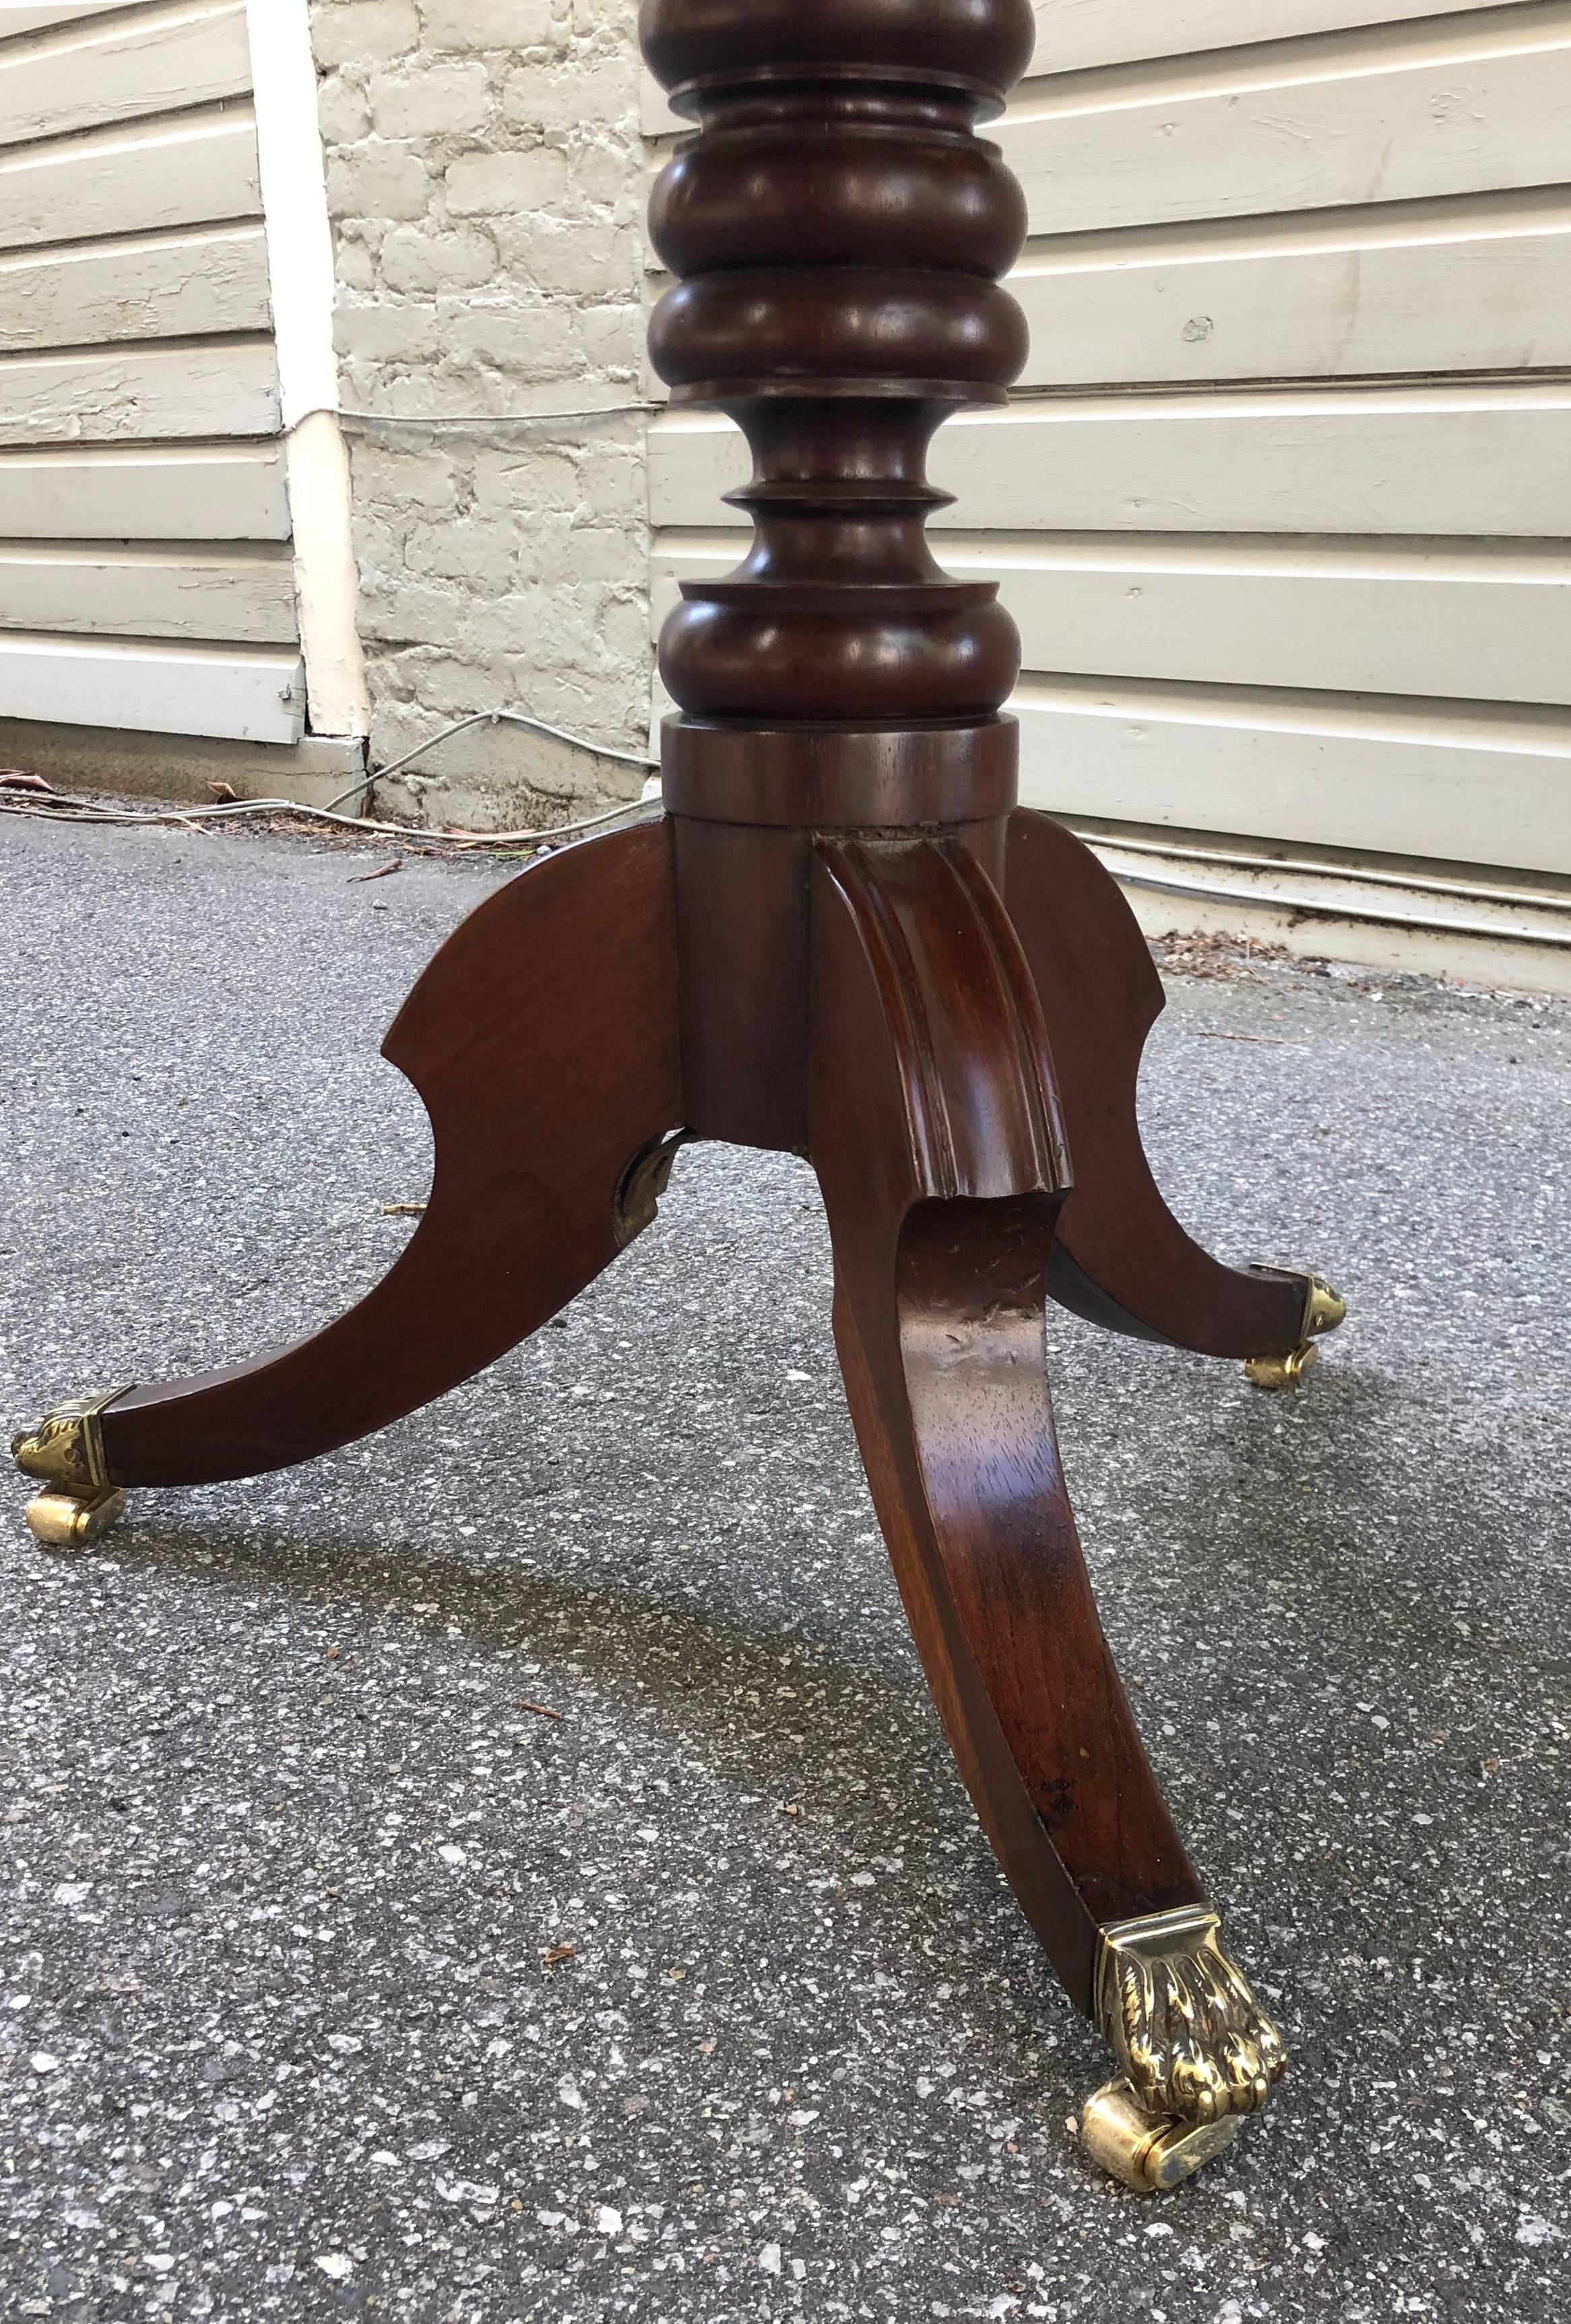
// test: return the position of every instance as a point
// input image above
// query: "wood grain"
(573, 961)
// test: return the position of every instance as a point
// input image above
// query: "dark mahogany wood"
(1122, 1259)
(840, 941)
(543, 1040)
(939, 1142)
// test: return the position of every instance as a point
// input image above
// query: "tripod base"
(949, 1021)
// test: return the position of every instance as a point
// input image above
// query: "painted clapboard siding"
(161, 491)
(1073, 34)
(145, 578)
(129, 66)
(1283, 506)
(33, 20)
(245, 694)
(187, 286)
(135, 180)
(1475, 284)
(1473, 104)
(1482, 459)
(244, 594)
(142, 389)
(1436, 618)
(1488, 785)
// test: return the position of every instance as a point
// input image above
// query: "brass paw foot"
(66, 1451)
(1195, 2049)
(1324, 1310)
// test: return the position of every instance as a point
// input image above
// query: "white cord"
(495, 718)
(472, 420)
(61, 807)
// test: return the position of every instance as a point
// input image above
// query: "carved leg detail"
(543, 1040)
(1122, 1258)
(935, 1133)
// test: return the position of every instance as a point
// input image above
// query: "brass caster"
(66, 1451)
(1276, 1372)
(1152, 2153)
(644, 1182)
(1196, 2050)
(1324, 1310)
(62, 1520)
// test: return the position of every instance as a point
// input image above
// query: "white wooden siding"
(1482, 619)
(1077, 33)
(124, 68)
(1476, 283)
(244, 594)
(188, 286)
(161, 491)
(247, 695)
(133, 180)
(1283, 505)
(145, 576)
(1482, 459)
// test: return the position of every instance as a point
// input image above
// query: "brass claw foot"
(1324, 1310)
(66, 1450)
(1195, 2049)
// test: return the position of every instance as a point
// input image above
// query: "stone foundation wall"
(485, 182)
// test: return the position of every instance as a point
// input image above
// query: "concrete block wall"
(485, 182)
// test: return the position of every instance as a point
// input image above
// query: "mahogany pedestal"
(843, 940)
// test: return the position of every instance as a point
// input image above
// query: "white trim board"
(317, 466)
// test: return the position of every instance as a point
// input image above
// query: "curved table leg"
(1122, 1258)
(543, 1040)
(935, 1134)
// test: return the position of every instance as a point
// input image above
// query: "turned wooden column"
(837, 229)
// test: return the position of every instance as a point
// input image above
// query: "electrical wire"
(62, 806)
(495, 718)
(466, 422)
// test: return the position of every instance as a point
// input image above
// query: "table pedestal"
(844, 940)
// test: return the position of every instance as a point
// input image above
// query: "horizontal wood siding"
(136, 180)
(191, 388)
(145, 578)
(1438, 618)
(1282, 506)
(1076, 35)
(243, 594)
(1430, 460)
(161, 491)
(125, 68)
(247, 695)
(209, 281)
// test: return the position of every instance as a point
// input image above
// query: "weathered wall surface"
(485, 176)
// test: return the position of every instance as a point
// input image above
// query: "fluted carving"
(838, 227)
